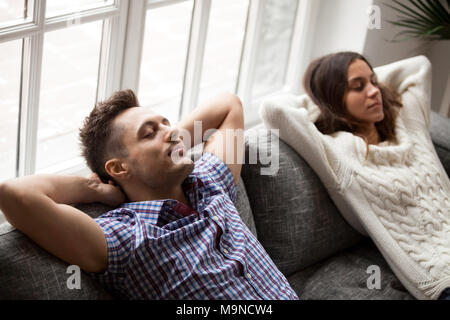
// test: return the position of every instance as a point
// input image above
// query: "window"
(60, 7)
(277, 26)
(223, 48)
(68, 90)
(59, 57)
(13, 12)
(10, 66)
(164, 57)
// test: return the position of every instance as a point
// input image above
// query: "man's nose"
(172, 134)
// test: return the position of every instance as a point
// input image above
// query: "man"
(176, 233)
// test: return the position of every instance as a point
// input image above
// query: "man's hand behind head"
(109, 193)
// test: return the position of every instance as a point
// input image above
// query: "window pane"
(274, 45)
(224, 41)
(10, 69)
(11, 10)
(164, 57)
(58, 7)
(68, 90)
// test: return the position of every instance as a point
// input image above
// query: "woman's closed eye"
(358, 86)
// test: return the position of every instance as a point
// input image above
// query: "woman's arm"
(411, 78)
(39, 207)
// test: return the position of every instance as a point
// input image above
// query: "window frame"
(121, 54)
(32, 34)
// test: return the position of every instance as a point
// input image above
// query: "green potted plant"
(427, 19)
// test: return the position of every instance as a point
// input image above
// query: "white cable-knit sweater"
(400, 194)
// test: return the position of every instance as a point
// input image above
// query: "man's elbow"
(6, 194)
(236, 110)
(8, 200)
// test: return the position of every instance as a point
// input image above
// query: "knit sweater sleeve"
(411, 78)
(294, 117)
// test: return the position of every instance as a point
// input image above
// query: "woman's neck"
(371, 134)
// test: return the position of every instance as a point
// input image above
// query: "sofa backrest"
(296, 221)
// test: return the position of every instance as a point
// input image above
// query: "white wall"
(343, 25)
(378, 46)
(380, 50)
(439, 55)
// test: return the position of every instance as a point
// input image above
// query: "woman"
(370, 145)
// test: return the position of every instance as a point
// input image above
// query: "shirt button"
(249, 275)
(225, 251)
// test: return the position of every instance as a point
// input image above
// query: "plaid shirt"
(163, 249)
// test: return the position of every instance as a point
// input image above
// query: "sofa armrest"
(440, 134)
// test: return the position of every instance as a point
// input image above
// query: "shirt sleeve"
(119, 227)
(213, 171)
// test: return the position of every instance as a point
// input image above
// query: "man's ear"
(117, 169)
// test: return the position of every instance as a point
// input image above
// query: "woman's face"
(363, 97)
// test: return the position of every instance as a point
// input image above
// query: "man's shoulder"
(214, 173)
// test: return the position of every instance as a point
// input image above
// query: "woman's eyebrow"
(373, 75)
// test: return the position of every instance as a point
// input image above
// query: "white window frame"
(298, 56)
(121, 54)
(33, 33)
(120, 61)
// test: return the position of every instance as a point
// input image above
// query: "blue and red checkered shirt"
(163, 249)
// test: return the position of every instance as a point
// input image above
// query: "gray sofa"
(291, 214)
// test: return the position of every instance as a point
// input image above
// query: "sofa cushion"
(297, 222)
(345, 276)
(29, 272)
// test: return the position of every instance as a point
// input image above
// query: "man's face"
(156, 155)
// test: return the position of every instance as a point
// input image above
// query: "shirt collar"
(155, 206)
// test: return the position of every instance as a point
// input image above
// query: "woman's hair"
(325, 81)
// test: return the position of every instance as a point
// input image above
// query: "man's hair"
(102, 140)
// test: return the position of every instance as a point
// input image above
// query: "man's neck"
(147, 194)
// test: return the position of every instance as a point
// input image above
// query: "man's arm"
(39, 207)
(223, 113)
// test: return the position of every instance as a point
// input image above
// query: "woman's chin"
(380, 117)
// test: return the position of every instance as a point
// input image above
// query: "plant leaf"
(427, 19)
(436, 12)
(444, 11)
(424, 8)
(440, 10)
(409, 11)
